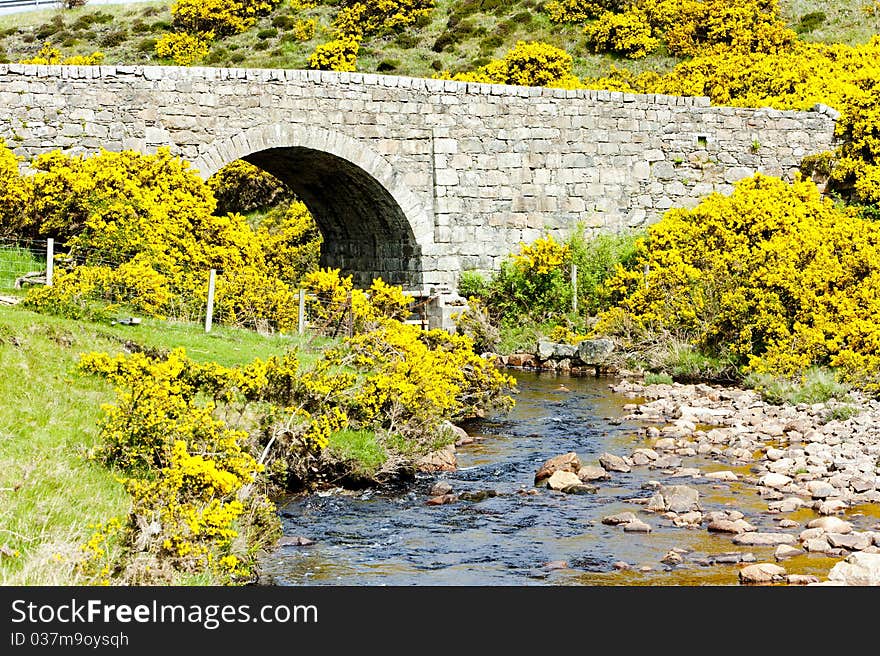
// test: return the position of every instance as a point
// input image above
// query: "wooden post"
(50, 261)
(209, 314)
(301, 317)
(574, 287)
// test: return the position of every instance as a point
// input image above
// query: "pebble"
(441, 488)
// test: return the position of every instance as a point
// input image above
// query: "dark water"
(373, 538)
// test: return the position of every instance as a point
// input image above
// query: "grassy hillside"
(50, 493)
(460, 35)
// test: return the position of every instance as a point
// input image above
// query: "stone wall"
(417, 179)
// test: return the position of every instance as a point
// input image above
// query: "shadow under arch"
(372, 224)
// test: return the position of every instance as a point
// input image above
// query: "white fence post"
(301, 316)
(50, 261)
(209, 315)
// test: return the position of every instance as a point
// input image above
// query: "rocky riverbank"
(816, 467)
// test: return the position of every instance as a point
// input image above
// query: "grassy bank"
(49, 493)
(460, 35)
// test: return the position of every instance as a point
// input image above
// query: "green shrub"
(283, 22)
(809, 22)
(114, 38)
(816, 385)
(237, 57)
(652, 378)
(269, 33)
(146, 46)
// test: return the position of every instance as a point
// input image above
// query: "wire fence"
(22, 262)
(214, 297)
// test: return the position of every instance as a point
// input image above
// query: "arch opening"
(366, 233)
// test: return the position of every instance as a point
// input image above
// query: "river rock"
(441, 500)
(775, 454)
(817, 545)
(564, 351)
(832, 507)
(589, 473)
(721, 476)
(862, 484)
(801, 579)
(784, 551)
(568, 462)
(774, 480)
(728, 526)
(478, 495)
(595, 351)
(851, 541)
(675, 498)
(761, 573)
(545, 349)
(857, 569)
(821, 489)
(691, 519)
(520, 360)
(637, 526)
(562, 479)
(788, 523)
(612, 462)
(459, 433)
(440, 460)
(664, 444)
(619, 518)
(440, 488)
(764, 539)
(672, 557)
(789, 504)
(831, 525)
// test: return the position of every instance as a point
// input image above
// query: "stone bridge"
(413, 179)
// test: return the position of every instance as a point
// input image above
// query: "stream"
(392, 538)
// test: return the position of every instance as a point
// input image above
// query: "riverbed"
(527, 535)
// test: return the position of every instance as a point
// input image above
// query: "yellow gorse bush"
(774, 275)
(336, 55)
(15, 195)
(184, 48)
(628, 34)
(528, 64)
(49, 55)
(542, 256)
(142, 232)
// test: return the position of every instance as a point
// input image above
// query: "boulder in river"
(764, 539)
(774, 480)
(589, 473)
(637, 526)
(439, 460)
(612, 462)
(440, 488)
(478, 495)
(831, 525)
(850, 541)
(675, 498)
(568, 462)
(801, 579)
(441, 500)
(595, 351)
(561, 479)
(761, 573)
(620, 518)
(784, 551)
(858, 569)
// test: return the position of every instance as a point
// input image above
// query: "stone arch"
(373, 225)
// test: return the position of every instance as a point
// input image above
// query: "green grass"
(817, 385)
(49, 493)
(360, 450)
(652, 378)
(15, 261)
(475, 35)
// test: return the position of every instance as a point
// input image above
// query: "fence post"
(301, 316)
(574, 287)
(50, 261)
(209, 315)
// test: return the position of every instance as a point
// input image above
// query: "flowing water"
(393, 538)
